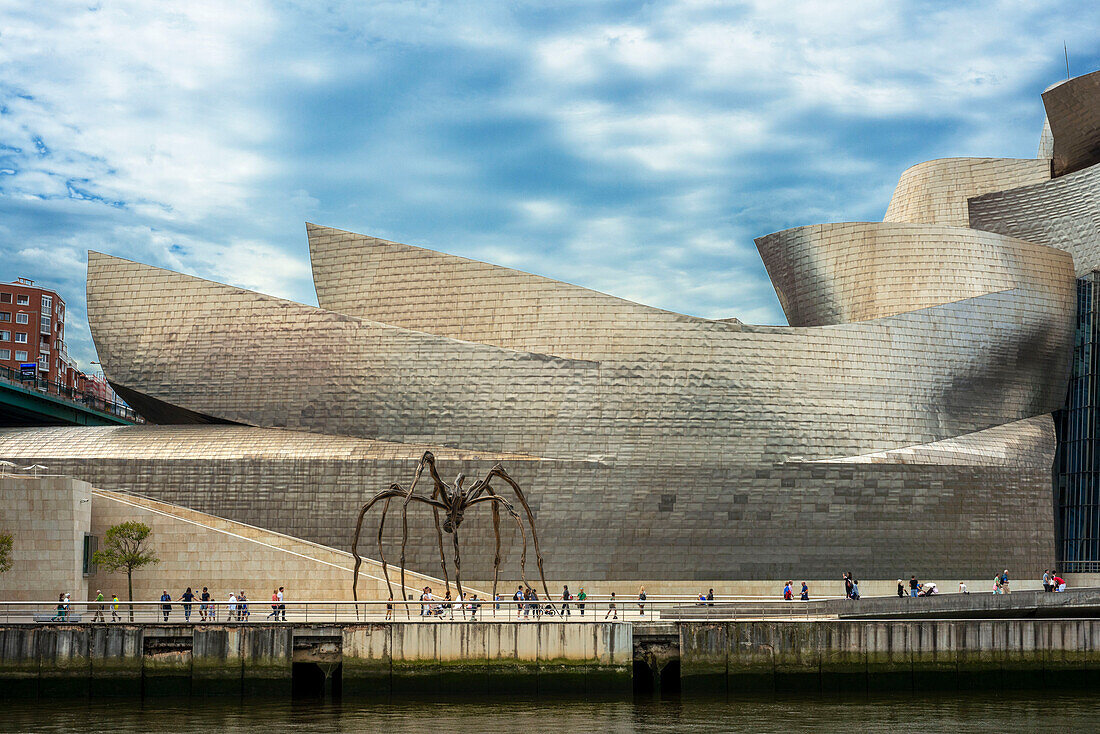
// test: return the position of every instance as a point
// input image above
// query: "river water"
(954, 713)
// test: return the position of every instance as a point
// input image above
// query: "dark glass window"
(1077, 463)
(91, 545)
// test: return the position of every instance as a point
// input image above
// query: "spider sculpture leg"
(404, 539)
(498, 471)
(438, 492)
(458, 565)
(439, 537)
(393, 492)
(382, 555)
(496, 500)
(496, 557)
(383, 495)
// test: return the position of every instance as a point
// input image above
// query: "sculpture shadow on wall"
(452, 500)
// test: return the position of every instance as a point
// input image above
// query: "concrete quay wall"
(260, 659)
(735, 657)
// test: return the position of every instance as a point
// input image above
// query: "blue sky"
(635, 148)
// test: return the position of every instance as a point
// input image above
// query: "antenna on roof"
(1066, 50)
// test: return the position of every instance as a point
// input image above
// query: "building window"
(91, 545)
(5, 354)
(5, 316)
(47, 303)
(5, 336)
(20, 338)
(22, 300)
(5, 298)
(45, 324)
(22, 318)
(20, 356)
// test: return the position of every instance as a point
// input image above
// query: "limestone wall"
(196, 550)
(48, 517)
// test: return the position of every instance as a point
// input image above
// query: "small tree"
(126, 547)
(6, 543)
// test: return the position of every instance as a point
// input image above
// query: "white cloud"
(636, 150)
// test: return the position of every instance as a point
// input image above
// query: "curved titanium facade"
(1074, 119)
(839, 273)
(935, 192)
(765, 393)
(465, 299)
(1062, 213)
(903, 414)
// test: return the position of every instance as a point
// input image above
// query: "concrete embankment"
(542, 658)
(271, 659)
(865, 655)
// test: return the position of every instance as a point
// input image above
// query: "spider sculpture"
(452, 500)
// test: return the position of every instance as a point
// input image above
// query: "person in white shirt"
(232, 606)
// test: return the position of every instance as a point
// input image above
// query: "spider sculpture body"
(452, 501)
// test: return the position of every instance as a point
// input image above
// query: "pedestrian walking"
(710, 597)
(242, 607)
(114, 608)
(59, 615)
(187, 597)
(389, 608)
(566, 597)
(232, 607)
(611, 607)
(166, 609)
(847, 585)
(282, 605)
(805, 595)
(641, 602)
(98, 616)
(1004, 582)
(1046, 580)
(447, 606)
(274, 605)
(212, 610)
(901, 589)
(580, 600)
(518, 597)
(914, 586)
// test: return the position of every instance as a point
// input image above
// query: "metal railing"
(65, 392)
(435, 610)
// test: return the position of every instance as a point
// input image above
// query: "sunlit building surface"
(902, 421)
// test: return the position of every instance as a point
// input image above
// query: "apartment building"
(32, 330)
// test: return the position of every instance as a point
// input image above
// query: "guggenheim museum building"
(912, 417)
